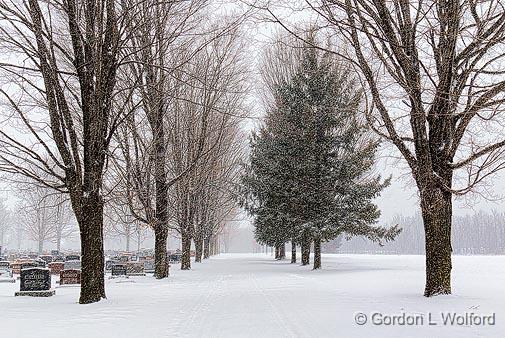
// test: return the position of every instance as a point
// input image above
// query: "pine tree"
(310, 177)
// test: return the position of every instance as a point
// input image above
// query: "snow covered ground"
(252, 295)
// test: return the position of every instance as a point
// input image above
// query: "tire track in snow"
(281, 318)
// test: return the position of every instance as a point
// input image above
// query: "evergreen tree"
(310, 177)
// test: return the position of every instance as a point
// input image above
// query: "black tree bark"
(436, 207)
(317, 253)
(198, 248)
(186, 251)
(305, 251)
(206, 248)
(160, 252)
(293, 252)
(92, 252)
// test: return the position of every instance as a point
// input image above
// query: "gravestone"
(119, 270)
(46, 258)
(72, 258)
(29, 265)
(69, 265)
(59, 259)
(55, 253)
(135, 269)
(56, 267)
(70, 277)
(39, 263)
(6, 272)
(16, 267)
(175, 258)
(123, 259)
(35, 282)
(149, 265)
(109, 264)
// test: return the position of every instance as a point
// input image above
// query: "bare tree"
(37, 214)
(205, 114)
(434, 73)
(64, 221)
(5, 222)
(61, 59)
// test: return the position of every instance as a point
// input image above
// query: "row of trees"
(433, 78)
(40, 216)
(310, 177)
(130, 105)
(480, 233)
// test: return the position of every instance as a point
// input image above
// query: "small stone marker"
(135, 269)
(39, 263)
(70, 277)
(72, 258)
(119, 270)
(46, 258)
(148, 265)
(175, 258)
(109, 264)
(29, 265)
(6, 272)
(56, 267)
(35, 282)
(123, 259)
(70, 265)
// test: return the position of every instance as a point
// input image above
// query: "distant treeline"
(480, 233)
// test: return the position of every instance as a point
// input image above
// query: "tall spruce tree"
(309, 177)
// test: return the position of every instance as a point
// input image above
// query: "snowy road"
(255, 296)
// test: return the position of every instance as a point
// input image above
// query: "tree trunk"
(277, 251)
(282, 252)
(58, 243)
(186, 251)
(160, 252)
(206, 248)
(127, 242)
(317, 253)
(436, 207)
(305, 251)
(198, 249)
(293, 252)
(41, 246)
(92, 253)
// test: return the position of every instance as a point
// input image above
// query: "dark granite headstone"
(72, 258)
(109, 264)
(28, 265)
(118, 270)
(40, 263)
(175, 258)
(35, 279)
(5, 265)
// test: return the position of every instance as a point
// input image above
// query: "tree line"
(482, 233)
(129, 109)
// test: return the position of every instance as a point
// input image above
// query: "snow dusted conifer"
(310, 171)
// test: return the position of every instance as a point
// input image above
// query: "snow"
(252, 295)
